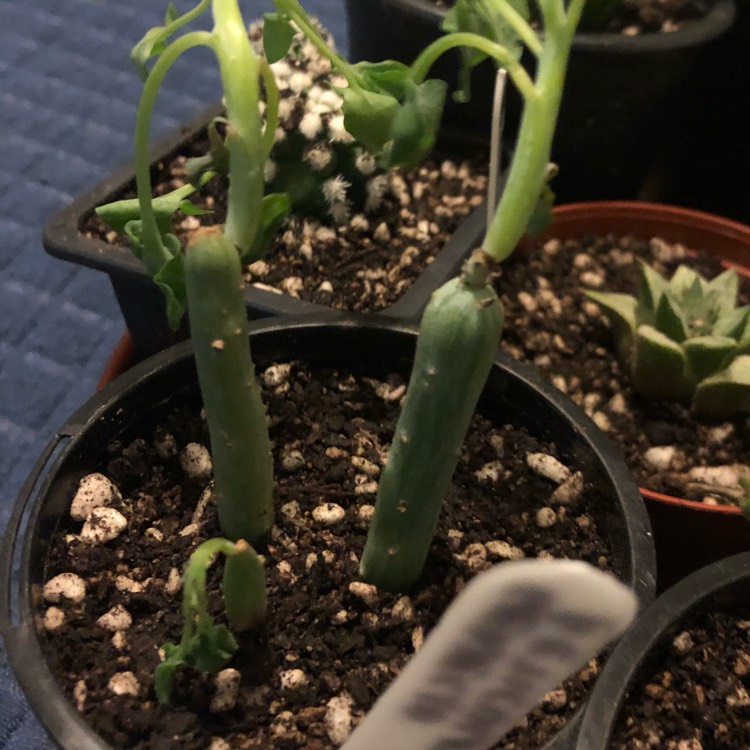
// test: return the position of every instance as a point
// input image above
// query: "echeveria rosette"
(684, 339)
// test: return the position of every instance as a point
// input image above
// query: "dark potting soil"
(694, 693)
(330, 434)
(364, 265)
(550, 322)
(632, 17)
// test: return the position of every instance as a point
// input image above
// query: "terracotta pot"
(687, 534)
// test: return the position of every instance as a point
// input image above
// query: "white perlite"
(128, 585)
(328, 514)
(719, 476)
(548, 467)
(545, 517)
(219, 743)
(65, 586)
(293, 679)
(196, 461)
(124, 683)
(504, 550)
(103, 525)
(292, 460)
(490, 472)
(364, 591)
(94, 491)
(174, 581)
(660, 457)
(403, 610)
(118, 618)
(339, 718)
(569, 491)
(80, 693)
(227, 684)
(165, 446)
(54, 618)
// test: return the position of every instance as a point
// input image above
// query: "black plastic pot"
(143, 305)
(721, 586)
(136, 400)
(621, 92)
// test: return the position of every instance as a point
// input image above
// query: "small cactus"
(325, 172)
(684, 339)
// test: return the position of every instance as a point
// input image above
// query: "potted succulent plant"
(684, 658)
(674, 454)
(227, 493)
(366, 231)
(627, 78)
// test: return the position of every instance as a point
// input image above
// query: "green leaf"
(669, 319)
(211, 649)
(726, 393)
(171, 280)
(658, 365)
(386, 77)
(734, 324)
(274, 209)
(165, 672)
(416, 124)
(153, 44)
(278, 34)
(117, 214)
(215, 161)
(652, 286)
(369, 117)
(171, 15)
(682, 280)
(706, 355)
(726, 286)
(481, 17)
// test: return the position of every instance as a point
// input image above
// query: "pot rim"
(625, 661)
(16, 611)
(715, 23)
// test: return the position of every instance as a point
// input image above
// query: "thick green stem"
(458, 339)
(427, 58)
(243, 469)
(240, 76)
(155, 254)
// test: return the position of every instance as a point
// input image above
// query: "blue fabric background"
(68, 96)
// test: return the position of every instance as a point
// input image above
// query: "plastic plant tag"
(496, 137)
(512, 635)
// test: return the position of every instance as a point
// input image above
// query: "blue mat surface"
(68, 96)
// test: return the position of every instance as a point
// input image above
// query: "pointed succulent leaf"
(706, 355)
(658, 365)
(726, 286)
(734, 323)
(650, 290)
(620, 311)
(682, 280)
(698, 307)
(725, 393)
(669, 318)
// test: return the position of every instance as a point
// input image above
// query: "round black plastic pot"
(621, 92)
(722, 586)
(142, 303)
(135, 402)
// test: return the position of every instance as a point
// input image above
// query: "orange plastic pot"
(687, 534)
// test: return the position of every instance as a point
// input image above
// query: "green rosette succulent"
(684, 339)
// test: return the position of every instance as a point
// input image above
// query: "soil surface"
(695, 692)
(550, 322)
(331, 433)
(364, 265)
(633, 17)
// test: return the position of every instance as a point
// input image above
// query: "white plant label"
(513, 634)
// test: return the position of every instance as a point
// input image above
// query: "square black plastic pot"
(142, 304)
(134, 402)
